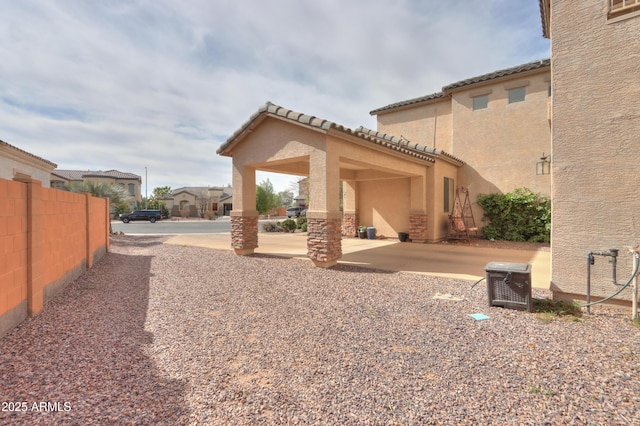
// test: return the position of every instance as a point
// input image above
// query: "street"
(178, 227)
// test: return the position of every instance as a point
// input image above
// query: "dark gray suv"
(150, 215)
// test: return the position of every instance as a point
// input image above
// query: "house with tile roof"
(195, 201)
(486, 133)
(17, 164)
(129, 181)
(566, 126)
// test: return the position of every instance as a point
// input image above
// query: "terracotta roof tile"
(81, 174)
(408, 102)
(8, 145)
(387, 141)
(542, 63)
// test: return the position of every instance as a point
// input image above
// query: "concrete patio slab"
(440, 259)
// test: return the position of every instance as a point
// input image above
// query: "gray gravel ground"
(158, 334)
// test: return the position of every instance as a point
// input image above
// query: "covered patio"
(388, 182)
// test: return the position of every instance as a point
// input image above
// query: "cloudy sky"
(129, 84)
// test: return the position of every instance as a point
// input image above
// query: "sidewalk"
(453, 261)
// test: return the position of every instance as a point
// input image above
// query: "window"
(448, 194)
(516, 95)
(480, 102)
(623, 8)
(132, 190)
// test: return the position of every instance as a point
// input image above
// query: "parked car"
(293, 212)
(150, 215)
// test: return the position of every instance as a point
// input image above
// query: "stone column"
(350, 210)
(418, 213)
(324, 219)
(244, 216)
(324, 240)
(418, 227)
(244, 232)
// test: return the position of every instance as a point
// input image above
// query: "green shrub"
(289, 225)
(520, 215)
(303, 228)
(301, 221)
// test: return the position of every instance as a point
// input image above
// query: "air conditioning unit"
(509, 285)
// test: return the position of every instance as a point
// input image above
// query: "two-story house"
(129, 181)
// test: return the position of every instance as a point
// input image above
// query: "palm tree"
(116, 194)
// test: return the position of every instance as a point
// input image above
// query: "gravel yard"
(159, 334)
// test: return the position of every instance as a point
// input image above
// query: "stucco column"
(349, 208)
(418, 212)
(244, 216)
(324, 220)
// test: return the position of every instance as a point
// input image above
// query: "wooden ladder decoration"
(461, 220)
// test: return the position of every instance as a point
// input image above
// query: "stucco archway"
(377, 170)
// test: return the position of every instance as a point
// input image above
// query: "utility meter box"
(509, 285)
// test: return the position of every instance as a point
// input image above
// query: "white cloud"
(128, 84)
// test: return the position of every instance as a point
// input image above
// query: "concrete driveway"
(440, 259)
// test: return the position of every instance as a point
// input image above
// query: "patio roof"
(394, 143)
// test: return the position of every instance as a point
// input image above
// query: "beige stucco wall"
(416, 123)
(596, 131)
(501, 144)
(438, 218)
(15, 163)
(385, 205)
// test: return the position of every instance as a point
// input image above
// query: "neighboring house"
(199, 200)
(129, 181)
(595, 140)
(16, 164)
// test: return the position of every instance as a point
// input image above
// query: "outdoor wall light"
(543, 167)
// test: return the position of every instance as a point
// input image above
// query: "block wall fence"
(48, 237)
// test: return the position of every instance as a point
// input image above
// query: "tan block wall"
(596, 128)
(48, 237)
(13, 254)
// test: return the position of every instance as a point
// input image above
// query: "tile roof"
(196, 190)
(467, 82)
(542, 63)
(387, 141)
(544, 16)
(8, 145)
(81, 174)
(409, 102)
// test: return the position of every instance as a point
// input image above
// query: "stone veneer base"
(244, 234)
(324, 241)
(418, 228)
(350, 224)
